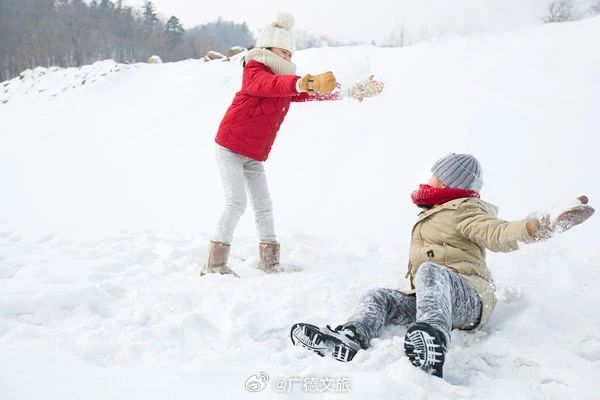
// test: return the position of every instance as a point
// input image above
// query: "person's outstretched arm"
(319, 96)
(477, 224)
(259, 82)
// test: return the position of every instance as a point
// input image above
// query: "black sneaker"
(425, 347)
(340, 343)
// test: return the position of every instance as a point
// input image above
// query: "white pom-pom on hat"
(285, 20)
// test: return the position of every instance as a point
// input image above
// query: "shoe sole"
(311, 338)
(422, 351)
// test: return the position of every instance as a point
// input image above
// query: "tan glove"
(367, 88)
(545, 227)
(322, 83)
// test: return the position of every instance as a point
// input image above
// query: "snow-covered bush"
(560, 11)
(595, 8)
(213, 55)
(235, 50)
(155, 60)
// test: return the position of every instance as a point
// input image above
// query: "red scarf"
(427, 196)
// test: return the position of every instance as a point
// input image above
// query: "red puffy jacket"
(258, 109)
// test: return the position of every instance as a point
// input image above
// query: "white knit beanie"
(278, 34)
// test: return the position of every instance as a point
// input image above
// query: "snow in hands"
(564, 216)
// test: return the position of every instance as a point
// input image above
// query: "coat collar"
(278, 65)
(453, 205)
(449, 205)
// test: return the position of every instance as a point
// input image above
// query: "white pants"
(238, 175)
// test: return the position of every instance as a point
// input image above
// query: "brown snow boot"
(217, 260)
(269, 257)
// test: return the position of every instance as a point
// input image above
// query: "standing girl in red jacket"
(247, 133)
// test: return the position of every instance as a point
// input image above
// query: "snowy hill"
(110, 193)
(52, 82)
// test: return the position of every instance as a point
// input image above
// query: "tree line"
(71, 33)
(570, 10)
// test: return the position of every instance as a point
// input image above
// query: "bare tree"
(305, 40)
(397, 38)
(595, 8)
(225, 33)
(560, 11)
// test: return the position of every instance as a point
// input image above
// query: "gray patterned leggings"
(443, 299)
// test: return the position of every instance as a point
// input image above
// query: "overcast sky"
(361, 20)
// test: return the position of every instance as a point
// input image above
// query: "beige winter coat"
(456, 234)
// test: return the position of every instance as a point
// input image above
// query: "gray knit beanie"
(460, 171)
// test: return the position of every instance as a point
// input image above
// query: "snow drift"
(110, 194)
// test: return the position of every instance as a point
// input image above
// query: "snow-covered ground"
(110, 194)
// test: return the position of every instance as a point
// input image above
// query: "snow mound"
(40, 82)
(110, 194)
